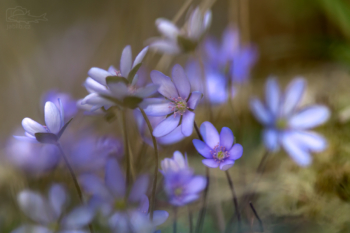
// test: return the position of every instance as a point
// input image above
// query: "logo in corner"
(19, 14)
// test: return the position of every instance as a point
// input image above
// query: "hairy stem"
(156, 156)
(261, 227)
(74, 178)
(234, 198)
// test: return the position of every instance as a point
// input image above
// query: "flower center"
(178, 105)
(54, 226)
(219, 153)
(118, 73)
(120, 205)
(132, 89)
(281, 123)
(178, 191)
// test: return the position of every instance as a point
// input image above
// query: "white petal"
(167, 28)
(195, 24)
(207, 19)
(32, 127)
(94, 87)
(140, 56)
(126, 61)
(52, 117)
(310, 140)
(179, 159)
(165, 46)
(96, 99)
(99, 75)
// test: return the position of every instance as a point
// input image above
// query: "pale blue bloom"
(288, 125)
(68, 103)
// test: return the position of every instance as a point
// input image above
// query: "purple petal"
(93, 185)
(210, 163)
(295, 150)
(230, 42)
(140, 56)
(226, 164)
(310, 117)
(195, 24)
(260, 112)
(165, 46)
(78, 218)
(236, 151)
(192, 102)
(310, 140)
(159, 217)
(272, 95)
(293, 95)
(146, 91)
(189, 198)
(52, 117)
(32, 127)
(57, 198)
(175, 136)
(96, 99)
(26, 139)
(99, 75)
(31, 229)
(271, 139)
(114, 178)
(92, 86)
(167, 125)
(119, 222)
(167, 28)
(210, 134)
(112, 70)
(126, 61)
(196, 185)
(118, 89)
(139, 188)
(144, 204)
(179, 159)
(181, 81)
(34, 206)
(226, 138)
(187, 123)
(202, 148)
(166, 86)
(156, 107)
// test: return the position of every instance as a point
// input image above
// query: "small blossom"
(288, 125)
(230, 59)
(68, 103)
(186, 40)
(48, 213)
(49, 133)
(117, 87)
(177, 163)
(179, 103)
(218, 150)
(110, 196)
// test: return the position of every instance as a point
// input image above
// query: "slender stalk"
(175, 220)
(257, 217)
(204, 202)
(190, 219)
(156, 156)
(74, 178)
(234, 198)
(126, 146)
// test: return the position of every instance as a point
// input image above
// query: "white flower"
(176, 40)
(178, 162)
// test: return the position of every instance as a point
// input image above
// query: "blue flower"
(48, 213)
(176, 164)
(286, 124)
(117, 87)
(231, 58)
(218, 150)
(110, 196)
(68, 103)
(54, 119)
(179, 103)
(176, 40)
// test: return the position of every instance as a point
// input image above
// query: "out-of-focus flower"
(110, 196)
(117, 87)
(286, 124)
(177, 163)
(231, 59)
(68, 103)
(89, 153)
(216, 82)
(182, 187)
(171, 138)
(217, 149)
(178, 105)
(32, 158)
(182, 40)
(48, 213)
(54, 119)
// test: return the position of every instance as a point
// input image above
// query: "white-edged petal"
(140, 56)
(99, 75)
(95, 87)
(52, 117)
(165, 46)
(126, 61)
(167, 28)
(32, 127)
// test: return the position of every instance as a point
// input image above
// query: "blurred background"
(294, 37)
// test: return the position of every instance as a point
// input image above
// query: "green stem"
(156, 155)
(234, 198)
(127, 152)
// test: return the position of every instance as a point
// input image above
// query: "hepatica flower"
(231, 58)
(49, 133)
(218, 150)
(49, 213)
(68, 103)
(288, 125)
(181, 186)
(182, 40)
(179, 103)
(111, 196)
(117, 87)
